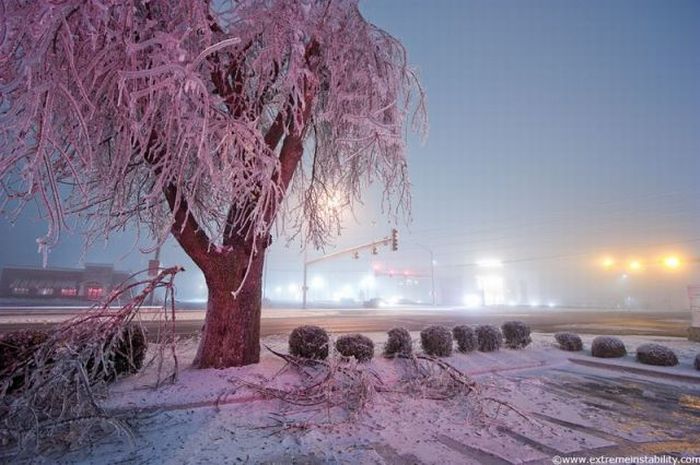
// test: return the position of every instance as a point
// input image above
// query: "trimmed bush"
(569, 341)
(126, 354)
(489, 338)
(399, 343)
(465, 337)
(15, 347)
(355, 345)
(517, 334)
(656, 354)
(608, 347)
(18, 345)
(697, 362)
(309, 342)
(436, 340)
(130, 350)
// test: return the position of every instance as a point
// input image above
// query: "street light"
(432, 272)
(672, 262)
(635, 265)
(490, 263)
(607, 262)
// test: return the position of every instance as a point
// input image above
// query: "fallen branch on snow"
(52, 395)
(340, 389)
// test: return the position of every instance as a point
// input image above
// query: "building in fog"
(93, 282)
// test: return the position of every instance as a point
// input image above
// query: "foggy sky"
(559, 130)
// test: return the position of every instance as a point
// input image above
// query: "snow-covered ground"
(561, 406)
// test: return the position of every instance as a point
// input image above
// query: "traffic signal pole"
(392, 241)
(432, 272)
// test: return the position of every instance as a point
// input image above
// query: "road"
(282, 321)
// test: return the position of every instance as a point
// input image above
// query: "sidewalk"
(574, 404)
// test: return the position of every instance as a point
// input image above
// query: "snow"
(206, 417)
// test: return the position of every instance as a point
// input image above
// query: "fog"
(561, 136)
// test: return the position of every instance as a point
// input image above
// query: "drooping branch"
(53, 392)
(230, 88)
(297, 117)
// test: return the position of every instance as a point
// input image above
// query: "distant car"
(374, 303)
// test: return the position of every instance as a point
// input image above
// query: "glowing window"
(94, 292)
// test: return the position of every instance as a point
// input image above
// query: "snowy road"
(282, 321)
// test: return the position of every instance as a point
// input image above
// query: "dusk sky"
(559, 130)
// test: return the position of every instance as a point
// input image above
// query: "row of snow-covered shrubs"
(313, 342)
(613, 347)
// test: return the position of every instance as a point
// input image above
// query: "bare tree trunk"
(231, 333)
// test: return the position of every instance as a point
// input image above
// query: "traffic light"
(394, 240)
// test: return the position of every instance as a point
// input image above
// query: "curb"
(688, 378)
(183, 406)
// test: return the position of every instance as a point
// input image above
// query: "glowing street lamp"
(672, 262)
(490, 263)
(318, 282)
(607, 262)
(635, 265)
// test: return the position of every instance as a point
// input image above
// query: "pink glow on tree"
(192, 118)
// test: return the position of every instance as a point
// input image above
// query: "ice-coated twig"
(53, 394)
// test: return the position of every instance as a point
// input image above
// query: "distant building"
(92, 283)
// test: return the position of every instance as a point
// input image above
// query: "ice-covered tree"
(211, 121)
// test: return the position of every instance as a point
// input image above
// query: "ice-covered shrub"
(608, 347)
(15, 348)
(399, 343)
(64, 379)
(309, 342)
(124, 354)
(355, 345)
(489, 337)
(465, 337)
(697, 362)
(17, 345)
(436, 340)
(569, 341)
(130, 350)
(517, 334)
(656, 354)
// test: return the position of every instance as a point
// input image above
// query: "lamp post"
(153, 269)
(432, 272)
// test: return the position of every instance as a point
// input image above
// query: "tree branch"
(188, 233)
(276, 131)
(292, 148)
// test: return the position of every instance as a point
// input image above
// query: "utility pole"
(304, 286)
(392, 240)
(432, 272)
(153, 270)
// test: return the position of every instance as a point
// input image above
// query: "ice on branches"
(53, 394)
(174, 114)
